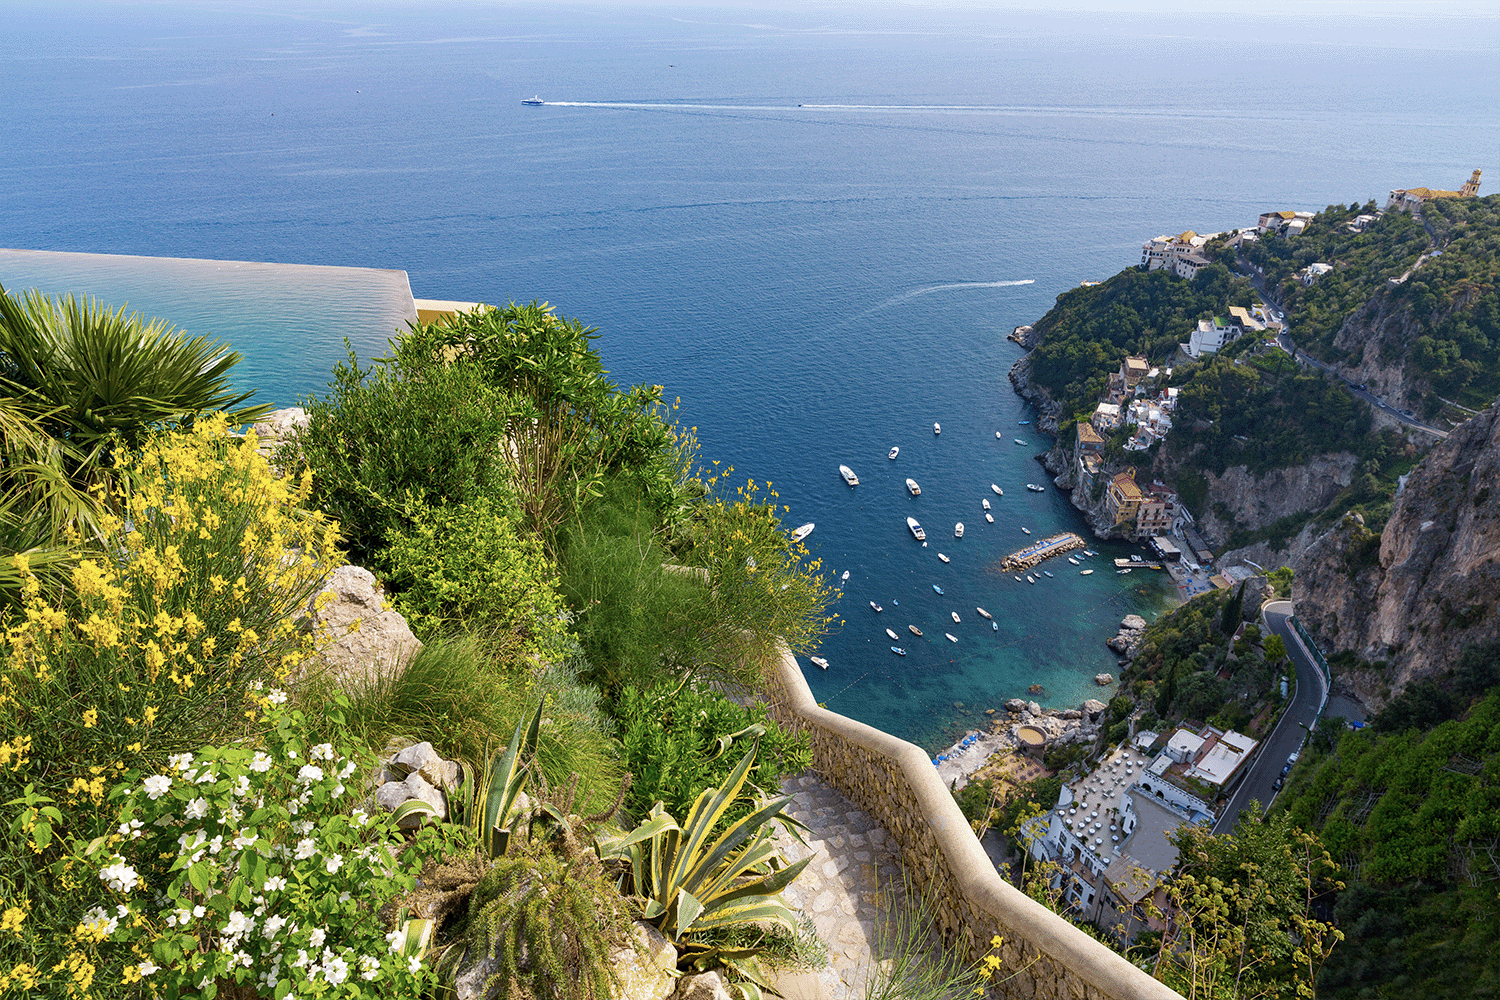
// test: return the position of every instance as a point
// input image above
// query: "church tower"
(1471, 187)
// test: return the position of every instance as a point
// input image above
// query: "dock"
(1134, 564)
(1040, 552)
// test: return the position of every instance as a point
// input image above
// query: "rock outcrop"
(1259, 501)
(359, 638)
(1429, 584)
(1128, 639)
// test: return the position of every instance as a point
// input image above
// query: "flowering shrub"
(251, 867)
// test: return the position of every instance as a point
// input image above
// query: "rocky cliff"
(1239, 500)
(1413, 596)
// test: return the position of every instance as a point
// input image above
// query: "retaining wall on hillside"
(1044, 956)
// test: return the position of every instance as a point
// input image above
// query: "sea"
(814, 225)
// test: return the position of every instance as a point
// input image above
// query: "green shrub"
(674, 740)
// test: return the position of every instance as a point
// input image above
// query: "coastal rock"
(1015, 705)
(1033, 708)
(1104, 680)
(359, 638)
(1132, 630)
(1071, 714)
(277, 425)
(1093, 709)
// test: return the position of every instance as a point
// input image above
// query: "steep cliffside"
(1415, 595)
(1253, 502)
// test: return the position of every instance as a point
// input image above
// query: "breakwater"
(1039, 552)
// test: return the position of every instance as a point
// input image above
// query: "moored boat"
(877, 607)
(845, 577)
(803, 531)
(943, 557)
(1023, 421)
(1084, 572)
(956, 619)
(1030, 578)
(1090, 553)
(1027, 530)
(893, 454)
(849, 476)
(998, 491)
(937, 428)
(1122, 572)
(985, 504)
(1046, 572)
(819, 661)
(898, 650)
(1018, 577)
(984, 613)
(951, 636)
(914, 630)
(892, 633)
(937, 589)
(1033, 487)
(998, 435)
(995, 626)
(916, 529)
(989, 517)
(1020, 442)
(913, 488)
(1072, 560)
(958, 530)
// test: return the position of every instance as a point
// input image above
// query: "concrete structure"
(894, 782)
(1107, 418)
(1211, 336)
(1123, 498)
(1155, 515)
(1188, 265)
(1132, 371)
(1284, 223)
(1312, 272)
(1408, 199)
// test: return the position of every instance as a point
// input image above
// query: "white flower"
(348, 769)
(310, 773)
(119, 876)
(301, 958)
(318, 937)
(156, 786)
(335, 970)
(272, 926)
(414, 965)
(199, 910)
(207, 776)
(216, 845)
(338, 789)
(147, 967)
(242, 785)
(238, 924)
(334, 863)
(132, 828)
(276, 696)
(323, 751)
(359, 817)
(369, 967)
(197, 809)
(242, 841)
(261, 762)
(180, 761)
(97, 920)
(302, 827)
(275, 883)
(306, 848)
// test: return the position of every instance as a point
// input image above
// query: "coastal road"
(1293, 728)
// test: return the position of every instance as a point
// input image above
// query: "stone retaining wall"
(1044, 956)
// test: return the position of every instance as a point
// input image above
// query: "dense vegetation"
(1410, 806)
(181, 808)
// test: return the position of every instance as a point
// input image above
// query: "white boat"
(898, 650)
(1072, 560)
(1084, 572)
(819, 661)
(914, 630)
(958, 530)
(1018, 578)
(1046, 572)
(989, 517)
(803, 531)
(985, 504)
(1122, 572)
(937, 428)
(892, 633)
(876, 606)
(998, 491)
(913, 488)
(956, 620)
(937, 590)
(893, 454)
(1090, 552)
(1033, 487)
(1020, 442)
(943, 557)
(951, 636)
(845, 577)
(985, 613)
(995, 626)
(849, 476)
(1030, 578)
(534, 102)
(998, 435)
(1027, 530)
(916, 529)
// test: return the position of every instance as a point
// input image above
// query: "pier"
(1039, 552)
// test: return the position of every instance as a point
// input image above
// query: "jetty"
(1135, 564)
(1039, 552)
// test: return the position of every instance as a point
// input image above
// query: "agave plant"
(689, 884)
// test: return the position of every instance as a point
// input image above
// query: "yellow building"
(1124, 497)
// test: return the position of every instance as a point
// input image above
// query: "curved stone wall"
(894, 781)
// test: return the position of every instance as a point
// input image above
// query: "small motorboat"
(1122, 572)
(1018, 577)
(892, 633)
(998, 435)
(943, 557)
(533, 102)
(914, 630)
(989, 517)
(1084, 572)
(1090, 553)
(951, 636)
(849, 476)
(916, 530)
(937, 428)
(1027, 530)
(1033, 487)
(1020, 442)
(1134, 557)
(845, 577)
(1072, 560)
(877, 607)
(1046, 572)
(913, 488)
(819, 661)
(985, 504)
(803, 532)
(995, 626)
(893, 454)
(1023, 421)
(983, 613)
(937, 589)
(956, 620)
(1030, 578)
(958, 530)
(997, 490)
(898, 650)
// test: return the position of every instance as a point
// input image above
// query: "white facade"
(1211, 336)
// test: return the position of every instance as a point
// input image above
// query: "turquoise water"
(815, 226)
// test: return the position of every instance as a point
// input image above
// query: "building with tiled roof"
(1406, 199)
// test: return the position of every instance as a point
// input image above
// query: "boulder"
(359, 639)
(392, 794)
(277, 425)
(647, 966)
(1093, 709)
(1033, 708)
(1070, 714)
(703, 986)
(1104, 680)
(1134, 623)
(1015, 705)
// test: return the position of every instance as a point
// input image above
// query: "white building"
(1312, 272)
(1211, 336)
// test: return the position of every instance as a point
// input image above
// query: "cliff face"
(1257, 502)
(1429, 585)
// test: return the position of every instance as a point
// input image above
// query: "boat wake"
(953, 286)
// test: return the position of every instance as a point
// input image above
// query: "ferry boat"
(958, 530)
(534, 102)
(893, 454)
(892, 633)
(943, 557)
(913, 488)
(984, 613)
(877, 607)
(819, 661)
(849, 476)
(916, 530)
(803, 531)
(998, 491)
(914, 630)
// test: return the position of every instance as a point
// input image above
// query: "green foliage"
(675, 739)
(471, 565)
(410, 431)
(690, 882)
(909, 964)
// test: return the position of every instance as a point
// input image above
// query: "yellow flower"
(12, 919)
(90, 718)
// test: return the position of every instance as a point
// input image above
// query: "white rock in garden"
(358, 637)
(417, 756)
(703, 986)
(647, 967)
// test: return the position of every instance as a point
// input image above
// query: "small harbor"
(1039, 552)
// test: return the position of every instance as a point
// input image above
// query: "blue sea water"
(815, 226)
